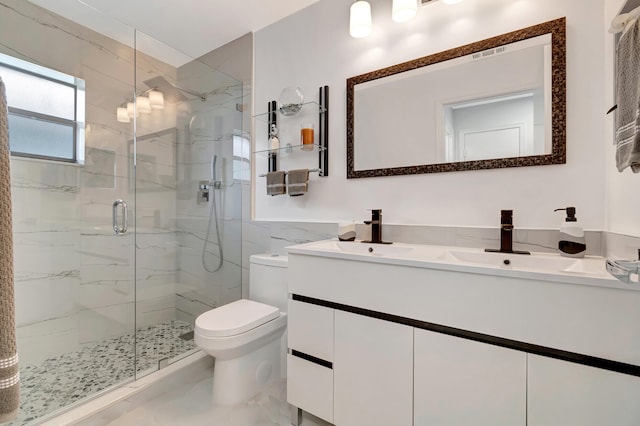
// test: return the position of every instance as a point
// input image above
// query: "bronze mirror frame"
(557, 29)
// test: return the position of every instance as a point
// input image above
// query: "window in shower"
(46, 111)
(241, 158)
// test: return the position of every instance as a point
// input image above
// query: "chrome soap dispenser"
(571, 242)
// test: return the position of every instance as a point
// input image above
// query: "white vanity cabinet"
(373, 372)
(562, 393)
(425, 342)
(463, 382)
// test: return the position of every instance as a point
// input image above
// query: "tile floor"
(65, 380)
(185, 400)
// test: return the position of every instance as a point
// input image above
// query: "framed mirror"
(496, 103)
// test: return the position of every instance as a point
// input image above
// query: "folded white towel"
(628, 99)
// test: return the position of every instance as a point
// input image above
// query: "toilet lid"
(235, 318)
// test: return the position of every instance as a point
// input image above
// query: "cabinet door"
(373, 372)
(310, 387)
(561, 393)
(460, 382)
(310, 329)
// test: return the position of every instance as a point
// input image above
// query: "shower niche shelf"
(320, 111)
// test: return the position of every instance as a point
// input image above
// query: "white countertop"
(589, 270)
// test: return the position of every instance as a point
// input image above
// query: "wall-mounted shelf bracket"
(323, 131)
(322, 145)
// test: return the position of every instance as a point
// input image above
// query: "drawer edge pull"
(312, 359)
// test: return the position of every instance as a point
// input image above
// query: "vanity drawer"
(310, 387)
(310, 329)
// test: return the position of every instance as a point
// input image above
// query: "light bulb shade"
(451, 1)
(360, 19)
(404, 10)
(131, 110)
(122, 115)
(143, 104)
(156, 99)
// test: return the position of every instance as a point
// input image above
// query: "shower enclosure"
(120, 247)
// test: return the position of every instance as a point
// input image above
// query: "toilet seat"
(235, 318)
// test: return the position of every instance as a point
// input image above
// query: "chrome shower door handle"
(125, 221)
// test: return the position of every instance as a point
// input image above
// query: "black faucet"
(506, 234)
(506, 230)
(376, 227)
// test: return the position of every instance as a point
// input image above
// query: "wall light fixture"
(404, 10)
(156, 99)
(143, 104)
(122, 115)
(401, 11)
(360, 19)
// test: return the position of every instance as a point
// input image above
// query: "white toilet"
(247, 337)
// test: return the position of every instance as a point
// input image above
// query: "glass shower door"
(74, 276)
(188, 197)
(106, 294)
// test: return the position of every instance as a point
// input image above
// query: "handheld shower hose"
(213, 217)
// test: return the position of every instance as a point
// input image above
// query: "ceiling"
(190, 27)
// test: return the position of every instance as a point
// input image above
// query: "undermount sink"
(383, 250)
(364, 248)
(510, 260)
(539, 262)
(373, 249)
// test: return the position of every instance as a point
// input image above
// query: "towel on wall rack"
(275, 183)
(627, 124)
(297, 182)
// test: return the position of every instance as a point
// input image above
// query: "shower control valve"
(203, 191)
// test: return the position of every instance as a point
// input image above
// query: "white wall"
(313, 48)
(623, 203)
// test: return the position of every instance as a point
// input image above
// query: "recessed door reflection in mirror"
(495, 103)
(511, 125)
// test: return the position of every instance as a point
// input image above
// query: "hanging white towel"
(9, 374)
(628, 99)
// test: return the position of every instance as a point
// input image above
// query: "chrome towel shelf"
(310, 171)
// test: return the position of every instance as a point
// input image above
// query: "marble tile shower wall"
(74, 278)
(214, 130)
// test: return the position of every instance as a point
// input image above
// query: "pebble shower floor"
(61, 381)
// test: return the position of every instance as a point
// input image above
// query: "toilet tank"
(268, 279)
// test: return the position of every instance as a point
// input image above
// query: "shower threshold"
(188, 367)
